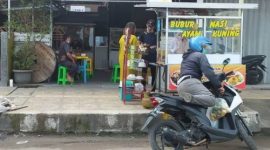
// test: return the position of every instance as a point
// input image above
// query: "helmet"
(199, 43)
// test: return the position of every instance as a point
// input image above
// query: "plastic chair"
(62, 75)
(116, 73)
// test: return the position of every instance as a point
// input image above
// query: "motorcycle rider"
(193, 66)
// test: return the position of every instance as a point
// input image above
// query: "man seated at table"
(67, 58)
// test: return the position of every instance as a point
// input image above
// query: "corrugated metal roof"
(256, 35)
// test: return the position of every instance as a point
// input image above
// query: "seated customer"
(67, 58)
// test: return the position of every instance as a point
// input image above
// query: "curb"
(265, 127)
(253, 119)
(92, 123)
(72, 123)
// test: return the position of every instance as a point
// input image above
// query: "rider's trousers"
(200, 94)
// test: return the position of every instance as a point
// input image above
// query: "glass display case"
(175, 30)
(175, 26)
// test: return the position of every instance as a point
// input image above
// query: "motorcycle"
(254, 67)
(176, 124)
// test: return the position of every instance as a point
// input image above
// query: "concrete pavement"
(73, 108)
(109, 142)
(93, 107)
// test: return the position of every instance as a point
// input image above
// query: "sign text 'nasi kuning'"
(219, 28)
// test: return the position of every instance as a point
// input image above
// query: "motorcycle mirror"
(226, 61)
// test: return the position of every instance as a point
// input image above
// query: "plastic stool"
(83, 70)
(62, 75)
(116, 73)
(89, 67)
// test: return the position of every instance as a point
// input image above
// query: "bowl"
(141, 65)
(139, 78)
(131, 77)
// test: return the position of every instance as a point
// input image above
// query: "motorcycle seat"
(178, 99)
(252, 58)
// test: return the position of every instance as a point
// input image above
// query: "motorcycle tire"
(254, 76)
(153, 131)
(244, 135)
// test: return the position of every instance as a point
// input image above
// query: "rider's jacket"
(196, 64)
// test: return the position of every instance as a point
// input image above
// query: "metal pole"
(51, 23)
(241, 13)
(8, 18)
(32, 37)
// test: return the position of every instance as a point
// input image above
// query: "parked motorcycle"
(175, 124)
(254, 67)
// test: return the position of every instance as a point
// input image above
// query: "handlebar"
(223, 76)
(229, 73)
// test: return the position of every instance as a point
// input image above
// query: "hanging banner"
(238, 80)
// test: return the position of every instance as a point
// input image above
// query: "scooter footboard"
(227, 122)
(225, 131)
(219, 135)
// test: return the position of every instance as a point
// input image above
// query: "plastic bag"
(138, 87)
(220, 109)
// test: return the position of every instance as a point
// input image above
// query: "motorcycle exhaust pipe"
(182, 137)
(174, 137)
(199, 143)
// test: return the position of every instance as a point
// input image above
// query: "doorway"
(101, 52)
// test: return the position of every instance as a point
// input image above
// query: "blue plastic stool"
(83, 70)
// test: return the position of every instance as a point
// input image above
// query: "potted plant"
(23, 61)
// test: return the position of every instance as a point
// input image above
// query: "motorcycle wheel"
(244, 135)
(254, 76)
(156, 139)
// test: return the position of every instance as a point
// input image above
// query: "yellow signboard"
(219, 28)
(238, 80)
(222, 29)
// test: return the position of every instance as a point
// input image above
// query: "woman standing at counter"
(127, 40)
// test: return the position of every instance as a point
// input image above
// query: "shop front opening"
(95, 29)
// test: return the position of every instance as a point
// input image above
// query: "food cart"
(222, 23)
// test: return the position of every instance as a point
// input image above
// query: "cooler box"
(129, 89)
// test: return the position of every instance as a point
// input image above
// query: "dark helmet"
(199, 43)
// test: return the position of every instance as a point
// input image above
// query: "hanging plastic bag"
(220, 109)
(138, 87)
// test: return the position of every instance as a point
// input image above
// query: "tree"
(32, 20)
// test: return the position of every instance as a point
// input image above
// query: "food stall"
(177, 22)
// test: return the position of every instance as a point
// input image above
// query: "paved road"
(115, 142)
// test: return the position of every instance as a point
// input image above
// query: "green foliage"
(35, 18)
(32, 20)
(24, 58)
